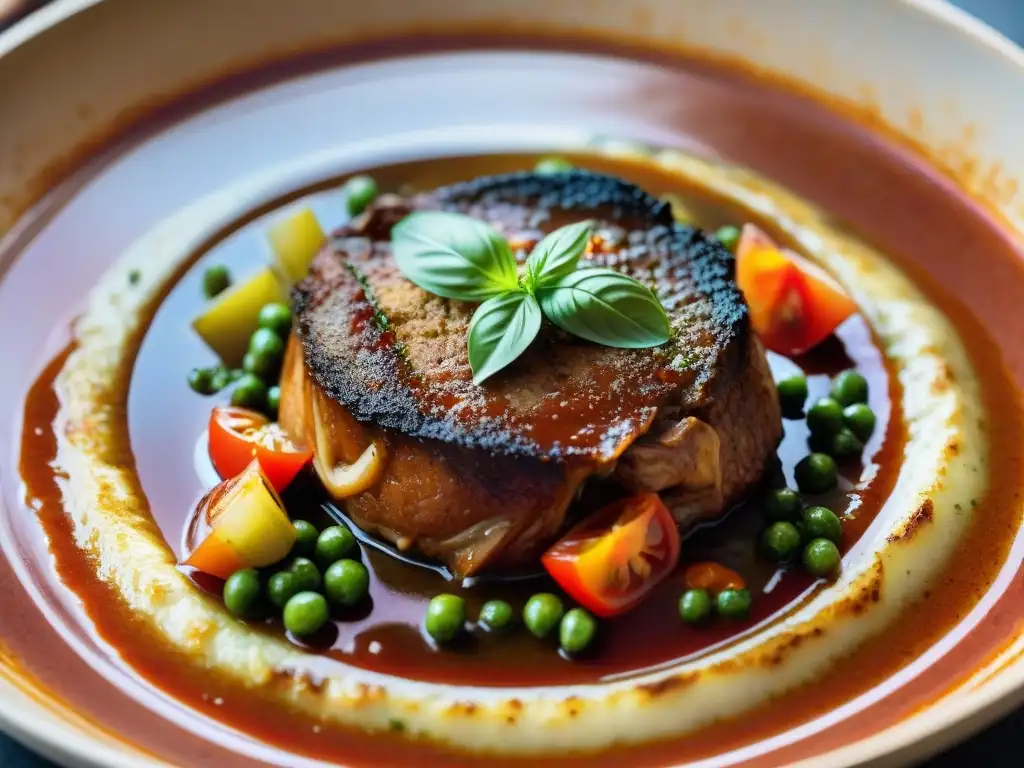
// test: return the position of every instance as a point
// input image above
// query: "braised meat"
(483, 475)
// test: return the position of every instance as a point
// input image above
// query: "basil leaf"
(500, 331)
(606, 307)
(454, 256)
(556, 255)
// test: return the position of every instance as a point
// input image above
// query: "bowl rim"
(26, 716)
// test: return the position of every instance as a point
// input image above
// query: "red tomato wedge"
(794, 305)
(611, 560)
(712, 577)
(238, 435)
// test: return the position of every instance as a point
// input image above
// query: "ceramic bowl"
(78, 70)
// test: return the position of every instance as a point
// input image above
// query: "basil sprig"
(454, 256)
(458, 257)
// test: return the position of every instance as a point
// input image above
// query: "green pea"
(792, 394)
(733, 603)
(576, 631)
(263, 366)
(305, 613)
(216, 279)
(235, 374)
(816, 473)
(273, 400)
(306, 535)
(729, 236)
(249, 392)
(821, 558)
(242, 591)
(346, 582)
(220, 377)
(335, 543)
(542, 614)
(780, 541)
(859, 419)
(825, 417)
(307, 575)
(695, 605)
(846, 445)
(359, 192)
(821, 523)
(446, 617)
(265, 343)
(547, 166)
(496, 615)
(850, 387)
(781, 504)
(281, 587)
(276, 317)
(199, 380)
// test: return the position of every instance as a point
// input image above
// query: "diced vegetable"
(712, 577)
(248, 526)
(238, 435)
(794, 306)
(295, 239)
(228, 323)
(611, 560)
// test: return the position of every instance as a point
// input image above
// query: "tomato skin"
(610, 561)
(794, 306)
(238, 435)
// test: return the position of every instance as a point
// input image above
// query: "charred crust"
(922, 516)
(668, 685)
(350, 345)
(576, 190)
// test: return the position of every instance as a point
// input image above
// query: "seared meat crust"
(484, 475)
(395, 356)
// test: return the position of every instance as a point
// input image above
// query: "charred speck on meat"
(395, 356)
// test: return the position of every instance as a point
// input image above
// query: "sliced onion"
(344, 480)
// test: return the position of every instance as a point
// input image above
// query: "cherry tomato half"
(794, 306)
(712, 577)
(611, 560)
(238, 435)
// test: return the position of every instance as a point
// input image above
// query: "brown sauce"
(384, 634)
(164, 462)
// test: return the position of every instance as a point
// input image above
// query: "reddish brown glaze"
(940, 226)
